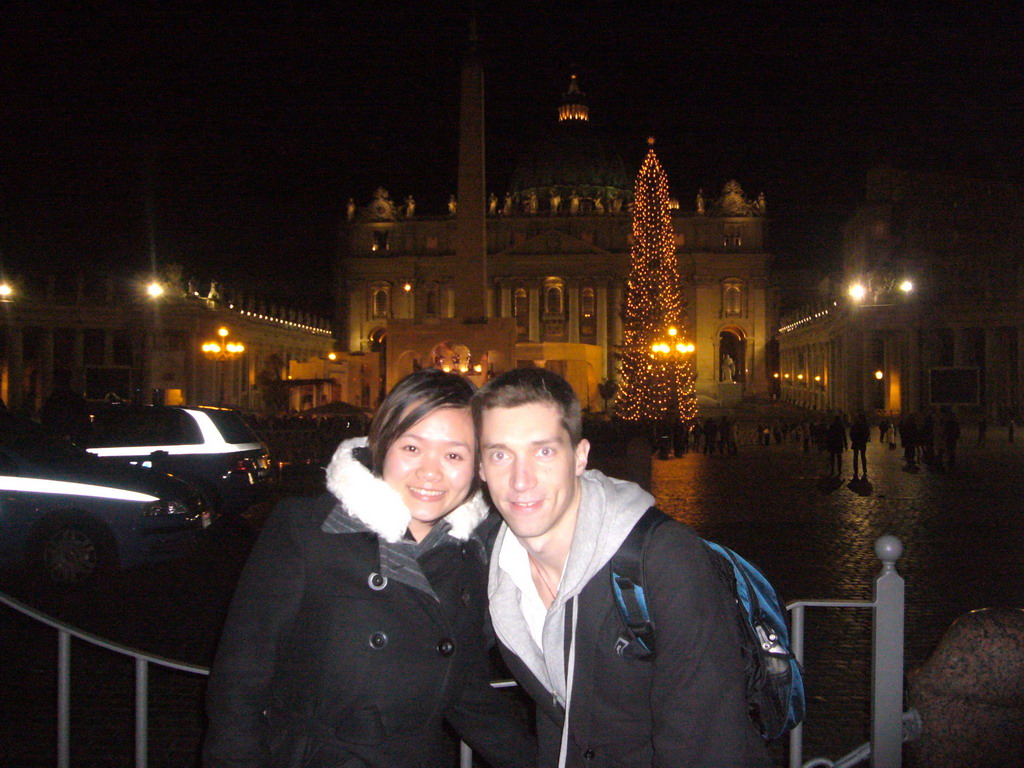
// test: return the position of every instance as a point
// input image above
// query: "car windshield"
(30, 442)
(232, 426)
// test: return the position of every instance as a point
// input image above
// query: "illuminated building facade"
(113, 339)
(557, 249)
(929, 311)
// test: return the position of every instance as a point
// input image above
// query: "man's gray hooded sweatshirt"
(609, 509)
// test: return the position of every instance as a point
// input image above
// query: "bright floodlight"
(155, 290)
(906, 286)
(879, 375)
(222, 332)
(5, 290)
(857, 291)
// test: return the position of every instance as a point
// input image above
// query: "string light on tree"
(658, 380)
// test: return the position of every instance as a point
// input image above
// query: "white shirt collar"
(514, 560)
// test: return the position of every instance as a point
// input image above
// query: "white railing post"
(887, 659)
(796, 736)
(63, 699)
(141, 712)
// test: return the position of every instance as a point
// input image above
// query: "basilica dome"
(572, 162)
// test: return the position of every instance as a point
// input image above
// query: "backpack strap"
(629, 588)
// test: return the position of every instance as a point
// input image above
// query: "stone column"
(46, 363)
(16, 356)
(533, 293)
(78, 360)
(616, 315)
(573, 289)
(506, 300)
(911, 396)
(992, 397)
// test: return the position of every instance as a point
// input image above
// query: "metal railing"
(887, 606)
(887, 718)
(142, 661)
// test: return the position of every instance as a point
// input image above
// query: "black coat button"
(378, 640)
(377, 582)
(588, 755)
(446, 647)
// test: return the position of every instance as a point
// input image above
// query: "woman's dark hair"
(413, 398)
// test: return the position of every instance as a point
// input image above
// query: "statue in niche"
(556, 202)
(410, 207)
(700, 202)
(453, 205)
(492, 204)
(574, 204)
(761, 205)
(350, 209)
(616, 203)
(506, 209)
(598, 205)
(728, 368)
(531, 203)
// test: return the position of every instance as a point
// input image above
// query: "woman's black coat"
(319, 665)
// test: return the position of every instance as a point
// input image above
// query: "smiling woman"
(356, 629)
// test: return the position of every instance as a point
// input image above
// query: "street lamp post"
(221, 352)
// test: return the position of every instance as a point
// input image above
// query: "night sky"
(227, 141)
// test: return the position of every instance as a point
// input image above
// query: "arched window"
(381, 301)
(553, 288)
(732, 298)
(587, 302)
(432, 301)
(521, 306)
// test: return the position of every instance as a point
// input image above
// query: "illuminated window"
(380, 241)
(733, 237)
(521, 308)
(732, 298)
(587, 302)
(381, 301)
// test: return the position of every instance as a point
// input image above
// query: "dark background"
(227, 137)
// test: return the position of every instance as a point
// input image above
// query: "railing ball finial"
(888, 549)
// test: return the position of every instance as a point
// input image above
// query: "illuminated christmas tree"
(658, 381)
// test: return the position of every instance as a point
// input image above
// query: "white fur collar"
(378, 506)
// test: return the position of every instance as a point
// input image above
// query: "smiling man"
(554, 615)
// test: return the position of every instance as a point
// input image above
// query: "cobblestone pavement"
(963, 532)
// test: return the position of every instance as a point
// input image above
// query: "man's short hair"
(525, 386)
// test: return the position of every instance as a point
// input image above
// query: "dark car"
(212, 448)
(69, 514)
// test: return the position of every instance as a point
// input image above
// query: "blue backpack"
(775, 688)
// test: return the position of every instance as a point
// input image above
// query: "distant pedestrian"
(835, 441)
(883, 430)
(982, 429)
(950, 435)
(680, 437)
(860, 434)
(1010, 427)
(908, 435)
(710, 436)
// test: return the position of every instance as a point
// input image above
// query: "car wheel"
(72, 553)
